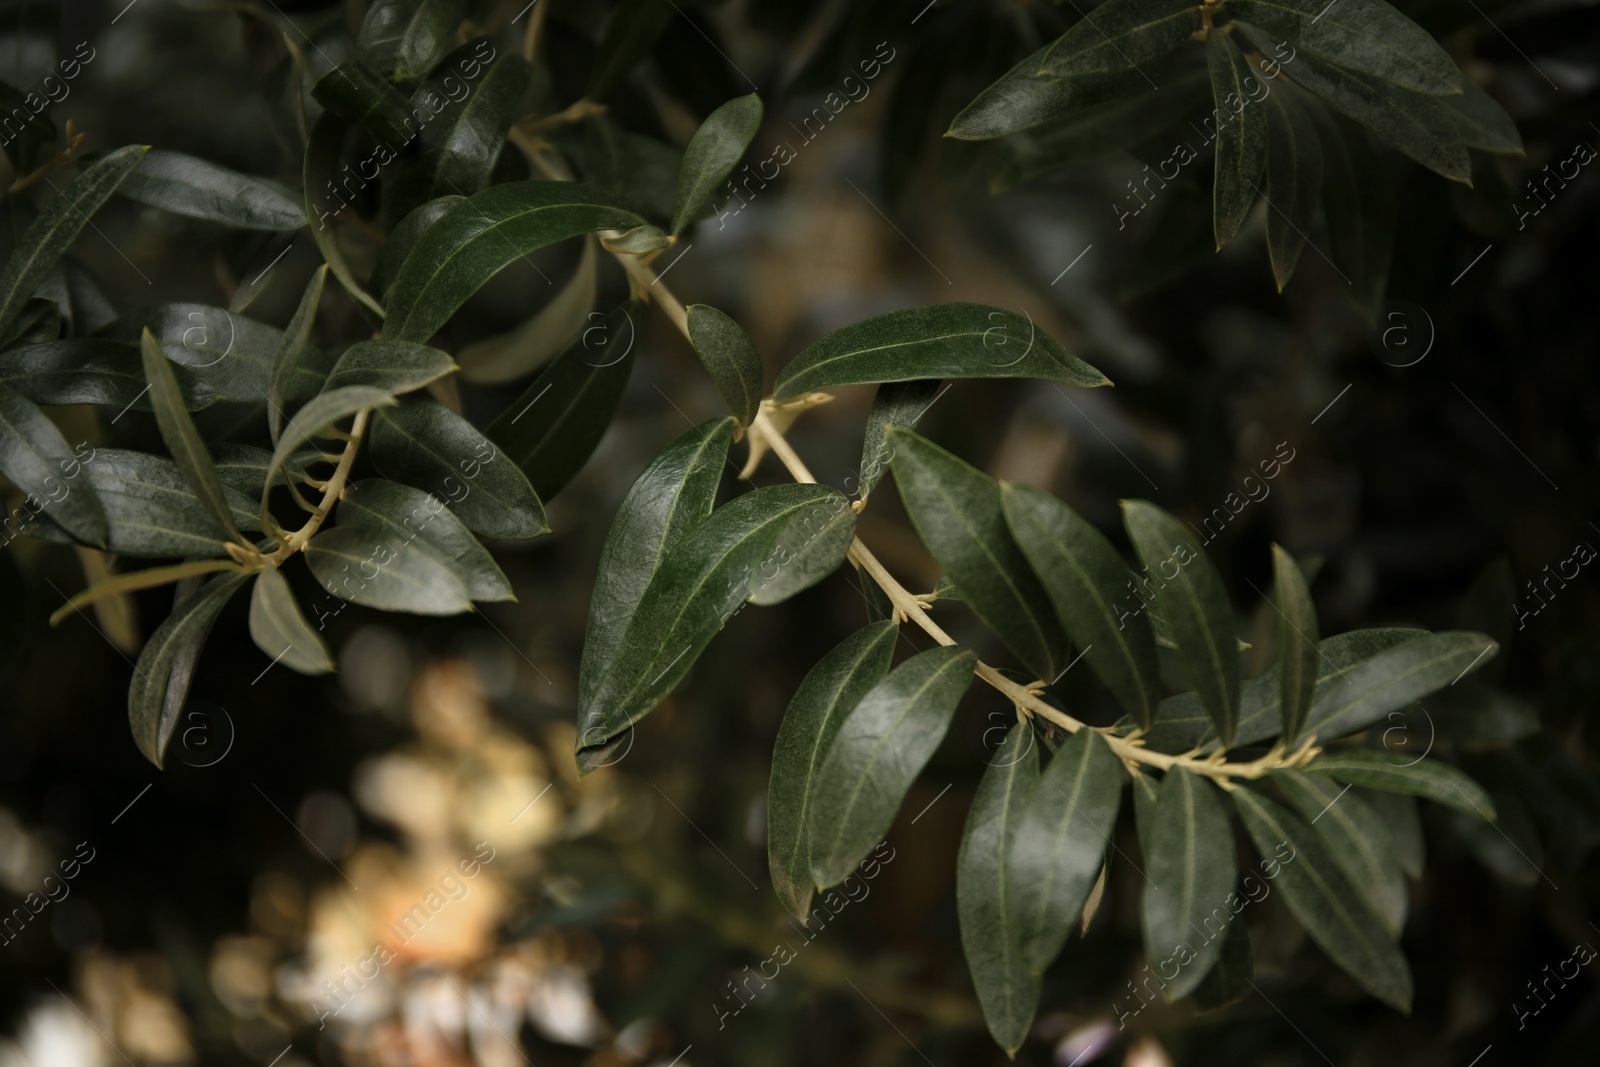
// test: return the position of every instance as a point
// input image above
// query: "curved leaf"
(1367, 691)
(1294, 182)
(397, 247)
(314, 419)
(183, 440)
(319, 170)
(291, 351)
(1242, 143)
(1298, 659)
(1367, 36)
(396, 366)
(35, 456)
(938, 341)
(405, 38)
(894, 404)
(88, 370)
(1481, 122)
(463, 143)
(187, 185)
(1122, 33)
(1357, 840)
(1188, 880)
(729, 357)
(1395, 772)
(552, 330)
(279, 628)
(713, 152)
(1023, 99)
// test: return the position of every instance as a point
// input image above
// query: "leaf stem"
(332, 490)
(145, 579)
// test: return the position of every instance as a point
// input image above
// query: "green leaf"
(1481, 122)
(677, 490)
(396, 366)
(629, 169)
(292, 350)
(1188, 880)
(321, 168)
(1229, 978)
(1392, 680)
(1327, 905)
(1396, 772)
(404, 38)
(1022, 99)
(829, 691)
(716, 148)
(360, 95)
(639, 241)
(1357, 840)
(988, 893)
(423, 559)
(1366, 36)
(808, 552)
(1358, 202)
(182, 439)
(160, 685)
(1196, 606)
(190, 186)
(895, 404)
(314, 420)
(701, 581)
(881, 747)
(1399, 813)
(938, 341)
(243, 469)
(1298, 659)
(462, 144)
(49, 236)
(35, 456)
(477, 238)
(552, 429)
(1085, 579)
(424, 444)
(956, 510)
(279, 628)
(1122, 33)
(1061, 837)
(552, 330)
(1242, 143)
(88, 370)
(232, 354)
(1415, 124)
(1294, 182)
(729, 357)
(405, 233)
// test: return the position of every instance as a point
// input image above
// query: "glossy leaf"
(462, 144)
(713, 153)
(279, 627)
(1298, 659)
(362, 96)
(1321, 897)
(1086, 580)
(477, 238)
(957, 511)
(1392, 680)
(1294, 182)
(88, 370)
(1062, 833)
(316, 417)
(1397, 772)
(1189, 876)
(1366, 36)
(291, 350)
(989, 888)
(231, 353)
(938, 341)
(397, 247)
(49, 236)
(812, 548)
(423, 560)
(194, 187)
(1481, 122)
(404, 38)
(1241, 125)
(895, 404)
(1196, 606)
(552, 330)
(630, 169)
(424, 444)
(826, 695)
(702, 580)
(1122, 33)
(396, 366)
(322, 209)
(153, 708)
(881, 747)
(37, 459)
(188, 448)
(1022, 99)
(729, 357)
(1357, 840)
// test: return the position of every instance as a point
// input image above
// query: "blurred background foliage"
(1444, 457)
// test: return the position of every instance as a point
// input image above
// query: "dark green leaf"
(424, 444)
(1366, 36)
(404, 38)
(423, 560)
(322, 209)
(87, 370)
(881, 747)
(1085, 579)
(938, 341)
(827, 694)
(1357, 840)
(988, 889)
(1228, 980)
(629, 169)
(243, 469)
(702, 580)
(552, 330)
(50, 235)
(279, 628)
(1241, 135)
(35, 456)
(292, 350)
(1396, 772)
(1399, 813)
(188, 185)
(462, 145)
(188, 448)
(1188, 880)
(812, 548)
(730, 359)
(956, 510)
(1022, 99)
(894, 404)
(154, 704)
(232, 354)
(405, 233)
(314, 420)
(397, 366)
(1123, 33)
(360, 95)
(1481, 122)
(477, 238)
(1298, 659)
(1196, 606)
(1061, 838)
(1392, 680)
(1327, 905)
(715, 150)
(1358, 201)
(1294, 182)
